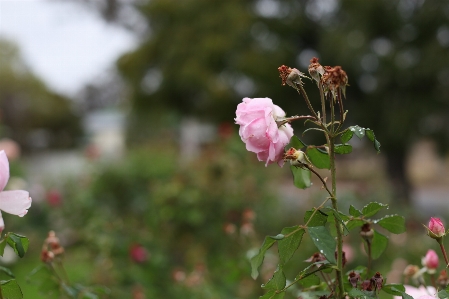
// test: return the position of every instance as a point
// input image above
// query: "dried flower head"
(290, 76)
(334, 79)
(354, 278)
(316, 70)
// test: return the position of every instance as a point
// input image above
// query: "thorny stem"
(293, 118)
(339, 271)
(440, 241)
(322, 180)
(302, 92)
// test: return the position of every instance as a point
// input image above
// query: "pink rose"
(15, 202)
(436, 228)
(259, 130)
(430, 261)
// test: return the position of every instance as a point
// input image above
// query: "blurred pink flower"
(138, 253)
(430, 261)
(15, 202)
(259, 131)
(418, 293)
(436, 228)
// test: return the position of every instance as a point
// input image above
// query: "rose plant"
(266, 131)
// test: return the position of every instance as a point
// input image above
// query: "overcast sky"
(63, 43)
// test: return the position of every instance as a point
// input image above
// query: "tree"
(201, 57)
(30, 113)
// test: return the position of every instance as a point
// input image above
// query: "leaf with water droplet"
(301, 177)
(346, 135)
(323, 241)
(372, 208)
(393, 223)
(358, 131)
(257, 260)
(277, 282)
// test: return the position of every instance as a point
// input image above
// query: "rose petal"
(4, 170)
(16, 202)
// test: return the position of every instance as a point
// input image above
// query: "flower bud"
(430, 261)
(296, 157)
(436, 229)
(410, 271)
(366, 232)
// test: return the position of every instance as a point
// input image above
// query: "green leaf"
(393, 289)
(3, 245)
(354, 212)
(393, 223)
(288, 245)
(346, 136)
(18, 243)
(11, 290)
(378, 245)
(323, 241)
(354, 223)
(7, 271)
(301, 177)
(443, 294)
(296, 143)
(277, 282)
(339, 217)
(42, 276)
(343, 149)
(318, 158)
(257, 260)
(372, 137)
(311, 280)
(318, 219)
(372, 208)
(358, 131)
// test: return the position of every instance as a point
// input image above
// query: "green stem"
(339, 274)
(302, 92)
(368, 244)
(440, 241)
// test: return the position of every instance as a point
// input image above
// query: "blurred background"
(117, 116)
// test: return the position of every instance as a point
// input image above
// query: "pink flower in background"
(436, 228)
(259, 131)
(418, 293)
(15, 202)
(430, 261)
(138, 253)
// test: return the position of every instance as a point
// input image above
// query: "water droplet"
(321, 251)
(317, 239)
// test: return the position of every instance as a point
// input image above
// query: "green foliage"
(393, 223)
(372, 208)
(301, 177)
(378, 245)
(324, 241)
(17, 242)
(288, 245)
(277, 282)
(10, 289)
(318, 158)
(257, 260)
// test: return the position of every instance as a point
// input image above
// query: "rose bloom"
(15, 202)
(436, 227)
(259, 130)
